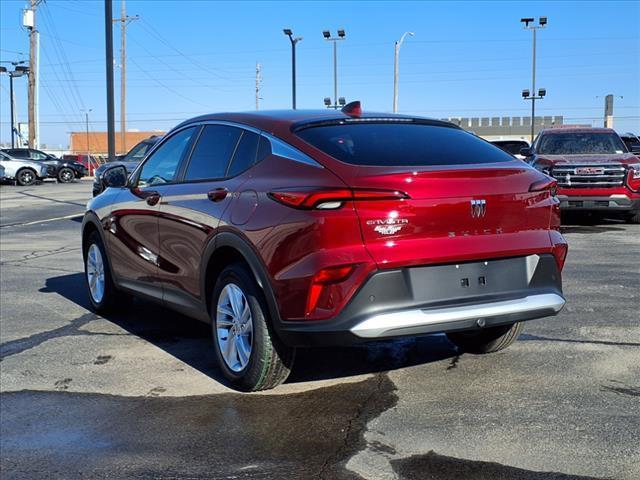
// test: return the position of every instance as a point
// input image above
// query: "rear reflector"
(325, 277)
(560, 251)
(331, 199)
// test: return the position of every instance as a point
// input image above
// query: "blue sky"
(466, 59)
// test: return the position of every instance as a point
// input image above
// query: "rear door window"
(401, 144)
(212, 153)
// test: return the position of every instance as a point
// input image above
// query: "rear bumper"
(441, 298)
(619, 202)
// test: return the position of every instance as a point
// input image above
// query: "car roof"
(556, 131)
(270, 120)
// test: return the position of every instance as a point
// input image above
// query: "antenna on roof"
(353, 109)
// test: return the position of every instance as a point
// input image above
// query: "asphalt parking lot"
(139, 396)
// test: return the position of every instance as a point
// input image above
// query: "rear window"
(390, 144)
(580, 144)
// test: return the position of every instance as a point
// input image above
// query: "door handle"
(217, 194)
(152, 198)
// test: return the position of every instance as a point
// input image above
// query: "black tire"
(26, 177)
(270, 361)
(487, 340)
(112, 299)
(66, 175)
(633, 217)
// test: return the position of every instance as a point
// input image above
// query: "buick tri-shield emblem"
(478, 208)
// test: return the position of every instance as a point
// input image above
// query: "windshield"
(511, 147)
(401, 144)
(137, 153)
(580, 144)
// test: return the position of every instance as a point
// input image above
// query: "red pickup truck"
(595, 170)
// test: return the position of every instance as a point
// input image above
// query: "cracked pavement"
(138, 395)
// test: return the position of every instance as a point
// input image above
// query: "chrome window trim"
(278, 146)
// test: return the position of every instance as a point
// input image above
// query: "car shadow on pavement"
(189, 341)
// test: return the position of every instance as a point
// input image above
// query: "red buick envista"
(301, 228)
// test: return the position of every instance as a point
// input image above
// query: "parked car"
(86, 160)
(23, 172)
(64, 172)
(512, 147)
(595, 171)
(297, 228)
(631, 141)
(130, 161)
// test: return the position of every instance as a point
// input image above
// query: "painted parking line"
(46, 220)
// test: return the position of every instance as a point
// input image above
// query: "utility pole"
(258, 82)
(108, 30)
(542, 22)
(29, 21)
(327, 36)
(124, 21)
(396, 70)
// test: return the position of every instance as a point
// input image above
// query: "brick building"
(98, 142)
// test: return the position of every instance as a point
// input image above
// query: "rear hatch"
(465, 199)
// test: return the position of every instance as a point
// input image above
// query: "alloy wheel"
(26, 177)
(234, 327)
(95, 273)
(66, 175)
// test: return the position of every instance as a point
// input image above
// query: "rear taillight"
(330, 199)
(560, 253)
(549, 184)
(321, 284)
(633, 177)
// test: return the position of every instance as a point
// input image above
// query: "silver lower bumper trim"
(382, 325)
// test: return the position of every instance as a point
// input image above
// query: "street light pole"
(86, 117)
(395, 70)
(108, 28)
(327, 36)
(294, 41)
(18, 71)
(12, 112)
(542, 22)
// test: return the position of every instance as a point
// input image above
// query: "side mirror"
(526, 152)
(635, 148)
(115, 177)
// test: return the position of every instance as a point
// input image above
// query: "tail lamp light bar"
(331, 199)
(550, 184)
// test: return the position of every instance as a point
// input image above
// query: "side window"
(212, 152)
(245, 155)
(38, 155)
(162, 166)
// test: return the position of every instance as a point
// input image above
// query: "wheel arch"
(22, 169)
(91, 223)
(227, 248)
